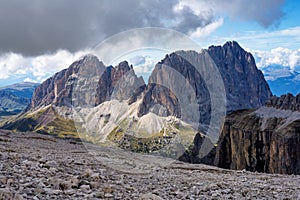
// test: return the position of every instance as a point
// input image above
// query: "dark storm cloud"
(190, 20)
(35, 27)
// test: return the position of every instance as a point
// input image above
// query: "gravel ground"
(35, 166)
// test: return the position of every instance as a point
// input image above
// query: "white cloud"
(278, 62)
(279, 56)
(146, 67)
(198, 7)
(205, 10)
(12, 64)
(142, 39)
(36, 69)
(143, 65)
(30, 80)
(294, 31)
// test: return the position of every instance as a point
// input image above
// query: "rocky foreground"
(35, 166)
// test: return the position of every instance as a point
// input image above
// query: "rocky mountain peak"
(119, 82)
(123, 67)
(232, 44)
(58, 88)
(232, 51)
(88, 58)
(244, 83)
(88, 65)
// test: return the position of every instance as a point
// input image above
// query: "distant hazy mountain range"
(15, 98)
(282, 80)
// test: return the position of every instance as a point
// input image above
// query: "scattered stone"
(150, 196)
(3, 180)
(10, 181)
(107, 189)
(93, 180)
(108, 195)
(85, 187)
(74, 182)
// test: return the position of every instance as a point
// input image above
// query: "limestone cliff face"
(57, 89)
(90, 82)
(87, 83)
(245, 87)
(264, 140)
(119, 83)
(173, 85)
(244, 83)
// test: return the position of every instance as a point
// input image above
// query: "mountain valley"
(15, 98)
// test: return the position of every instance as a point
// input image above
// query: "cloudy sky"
(39, 38)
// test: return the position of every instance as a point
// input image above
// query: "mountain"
(289, 83)
(111, 105)
(87, 83)
(282, 79)
(263, 140)
(245, 86)
(15, 98)
(244, 83)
